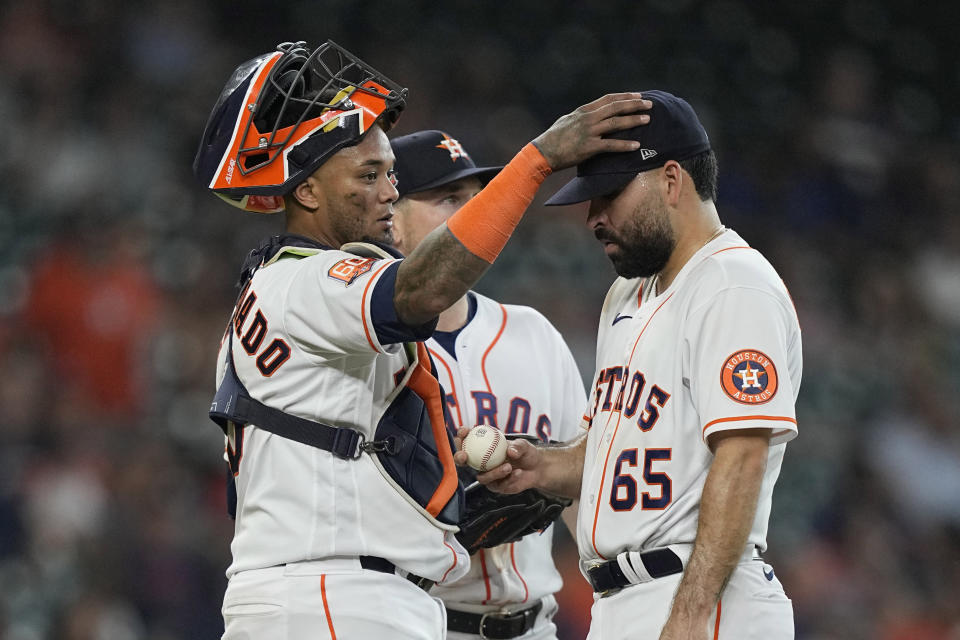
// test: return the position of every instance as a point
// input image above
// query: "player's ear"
(672, 182)
(306, 194)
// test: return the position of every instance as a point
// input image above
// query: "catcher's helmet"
(283, 114)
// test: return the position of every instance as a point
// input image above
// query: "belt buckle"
(502, 614)
(606, 592)
(483, 620)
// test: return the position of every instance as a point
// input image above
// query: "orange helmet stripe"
(225, 172)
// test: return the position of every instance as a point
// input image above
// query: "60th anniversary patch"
(749, 377)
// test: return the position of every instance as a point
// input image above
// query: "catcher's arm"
(556, 469)
(453, 256)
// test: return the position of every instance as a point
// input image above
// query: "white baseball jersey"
(307, 339)
(511, 369)
(718, 349)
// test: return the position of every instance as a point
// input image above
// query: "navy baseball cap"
(673, 133)
(431, 158)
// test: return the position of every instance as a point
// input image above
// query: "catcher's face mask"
(283, 114)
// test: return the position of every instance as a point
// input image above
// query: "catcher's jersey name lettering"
(252, 334)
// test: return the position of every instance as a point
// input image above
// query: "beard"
(645, 243)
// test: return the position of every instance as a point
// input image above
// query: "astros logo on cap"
(749, 377)
(454, 147)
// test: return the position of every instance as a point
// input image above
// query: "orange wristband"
(485, 223)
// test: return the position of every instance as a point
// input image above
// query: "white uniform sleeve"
(328, 307)
(574, 398)
(738, 357)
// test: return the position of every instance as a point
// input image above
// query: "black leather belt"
(383, 565)
(658, 563)
(494, 625)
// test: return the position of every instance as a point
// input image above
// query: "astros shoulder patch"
(749, 377)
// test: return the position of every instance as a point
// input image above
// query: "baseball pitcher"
(698, 369)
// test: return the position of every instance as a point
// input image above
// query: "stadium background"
(836, 127)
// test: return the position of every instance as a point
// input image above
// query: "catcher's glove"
(491, 518)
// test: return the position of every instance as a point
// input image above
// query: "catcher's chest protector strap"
(233, 403)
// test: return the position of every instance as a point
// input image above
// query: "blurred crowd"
(838, 136)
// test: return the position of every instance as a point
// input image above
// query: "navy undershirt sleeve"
(389, 328)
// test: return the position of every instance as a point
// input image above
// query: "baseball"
(486, 448)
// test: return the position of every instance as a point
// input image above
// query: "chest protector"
(412, 447)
